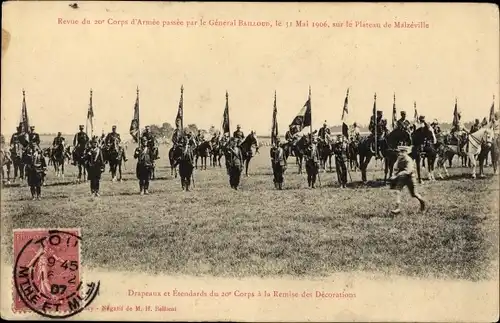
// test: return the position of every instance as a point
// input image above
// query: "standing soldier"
(340, 151)
(234, 158)
(381, 128)
(80, 143)
(278, 163)
(36, 169)
(312, 162)
(95, 167)
(144, 165)
(33, 136)
(404, 176)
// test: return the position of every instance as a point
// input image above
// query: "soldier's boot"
(38, 192)
(146, 188)
(33, 192)
(141, 188)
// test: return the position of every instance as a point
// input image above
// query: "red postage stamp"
(47, 273)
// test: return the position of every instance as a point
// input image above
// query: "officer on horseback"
(476, 126)
(111, 137)
(80, 142)
(58, 141)
(340, 151)
(33, 136)
(403, 124)
(18, 137)
(323, 132)
(238, 134)
(380, 126)
(278, 163)
(291, 138)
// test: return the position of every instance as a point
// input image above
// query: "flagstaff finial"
(347, 94)
(394, 96)
(90, 91)
(227, 95)
(182, 88)
(456, 100)
(137, 89)
(309, 90)
(375, 96)
(23, 93)
(414, 103)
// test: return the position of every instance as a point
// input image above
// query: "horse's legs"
(330, 161)
(472, 161)
(120, 170)
(62, 169)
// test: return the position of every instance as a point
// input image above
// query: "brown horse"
(249, 147)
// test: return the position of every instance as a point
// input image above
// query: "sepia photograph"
(240, 161)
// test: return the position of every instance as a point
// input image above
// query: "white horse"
(475, 141)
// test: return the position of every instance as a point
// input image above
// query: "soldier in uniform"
(404, 176)
(381, 127)
(151, 142)
(484, 123)
(144, 165)
(36, 168)
(111, 137)
(355, 133)
(291, 137)
(322, 132)
(340, 151)
(58, 141)
(95, 167)
(278, 163)
(20, 137)
(476, 126)
(234, 163)
(238, 134)
(80, 143)
(312, 159)
(33, 136)
(176, 136)
(102, 138)
(403, 123)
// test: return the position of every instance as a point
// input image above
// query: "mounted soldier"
(101, 140)
(36, 169)
(291, 137)
(380, 126)
(278, 163)
(143, 154)
(323, 132)
(19, 137)
(340, 151)
(476, 126)
(59, 142)
(33, 136)
(95, 167)
(312, 162)
(110, 139)
(403, 123)
(151, 142)
(176, 136)
(355, 134)
(80, 142)
(238, 134)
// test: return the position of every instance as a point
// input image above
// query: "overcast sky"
(457, 56)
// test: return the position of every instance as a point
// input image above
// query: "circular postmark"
(47, 273)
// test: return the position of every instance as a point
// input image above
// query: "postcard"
(250, 162)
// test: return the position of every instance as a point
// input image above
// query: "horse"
(5, 160)
(424, 142)
(58, 157)
(325, 151)
(455, 146)
(114, 155)
(184, 157)
(495, 153)
(173, 164)
(478, 144)
(298, 150)
(249, 147)
(203, 150)
(352, 154)
(397, 137)
(68, 153)
(16, 155)
(79, 159)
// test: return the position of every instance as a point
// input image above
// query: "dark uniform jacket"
(340, 150)
(81, 139)
(150, 138)
(111, 137)
(38, 163)
(143, 156)
(238, 134)
(95, 159)
(475, 128)
(235, 156)
(403, 124)
(381, 126)
(323, 131)
(312, 153)
(34, 137)
(58, 141)
(278, 156)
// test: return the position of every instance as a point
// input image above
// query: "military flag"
(415, 114)
(134, 124)
(179, 122)
(25, 124)
(225, 117)
(456, 114)
(345, 115)
(303, 118)
(274, 129)
(394, 113)
(90, 117)
(492, 111)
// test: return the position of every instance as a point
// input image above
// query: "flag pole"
(375, 120)
(138, 120)
(92, 116)
(310, 109)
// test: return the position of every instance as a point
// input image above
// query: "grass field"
(258, 231)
